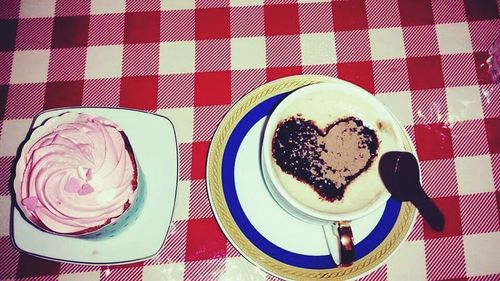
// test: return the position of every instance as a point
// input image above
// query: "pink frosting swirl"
(79, 177)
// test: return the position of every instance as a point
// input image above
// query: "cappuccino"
(325, 143)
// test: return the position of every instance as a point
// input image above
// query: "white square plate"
(153, 140)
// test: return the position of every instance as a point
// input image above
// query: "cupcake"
(77, 176)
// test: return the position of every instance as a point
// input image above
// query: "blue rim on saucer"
(390, 231)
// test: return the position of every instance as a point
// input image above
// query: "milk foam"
(324, 108)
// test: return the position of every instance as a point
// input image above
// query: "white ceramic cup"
(327, 103)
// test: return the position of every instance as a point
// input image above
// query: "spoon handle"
(429, 211)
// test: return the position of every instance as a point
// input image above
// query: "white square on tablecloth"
(318, 48)
(173, 271)
(167, 5)
(13, 133)
(474, 174)
(30, 66)
(37, 8)
(182, 118)
(481, 253)
(408, 262)
(387, 43)
(243, 3)
(4, 213)
(248, 53)
(239, 268)
(453, 38)
(464, 103)
(398, 103)
(177, 57)
(104, 62)
(107, 6)
(181, 210)
(80, 276)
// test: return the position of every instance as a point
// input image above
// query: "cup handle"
(340, 242)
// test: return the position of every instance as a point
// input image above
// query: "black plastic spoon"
(401, 176)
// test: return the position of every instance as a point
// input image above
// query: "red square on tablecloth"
(349, 15)
(481, 10)
(212, 23)
(60, 94)
(139, 92)
(281, 19)
(359, 73)
(482, 68)
(212, 88)
(8, 30)
(416, 12)
(142, 27)
(204, 240)
(450, 208)
(30, 266)
(493, 133)
(433, 141)
(425, 72)
(198, 159)
(274, 73)
(70, 32)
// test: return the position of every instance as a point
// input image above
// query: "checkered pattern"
(192, 60)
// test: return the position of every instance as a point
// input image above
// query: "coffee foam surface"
(325, 108)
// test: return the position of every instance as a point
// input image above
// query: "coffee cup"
(320, 153)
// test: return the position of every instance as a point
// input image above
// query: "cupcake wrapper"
(128, 217)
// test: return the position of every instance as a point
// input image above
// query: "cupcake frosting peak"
(79, 175)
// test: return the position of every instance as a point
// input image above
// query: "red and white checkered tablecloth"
(192, 60)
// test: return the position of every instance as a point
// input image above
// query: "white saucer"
(259, 228)
(153, 140)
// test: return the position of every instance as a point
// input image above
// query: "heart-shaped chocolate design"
(327, 160)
